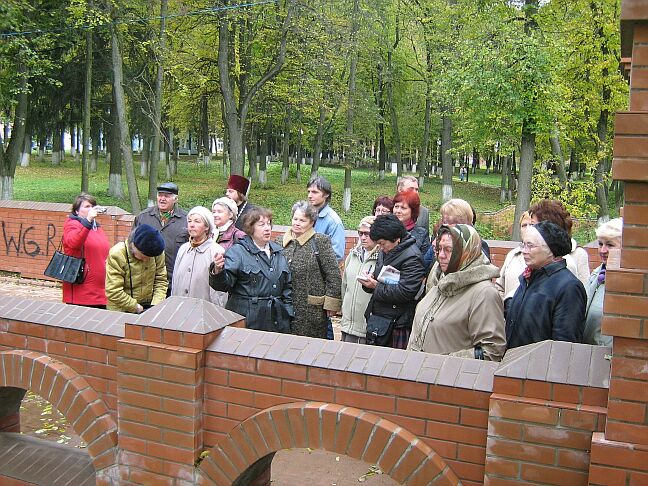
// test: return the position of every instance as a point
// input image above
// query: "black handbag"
(66, 268)
(379, 330)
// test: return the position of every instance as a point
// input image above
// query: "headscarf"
(466, 245)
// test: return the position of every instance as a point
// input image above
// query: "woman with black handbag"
(83, 237)
(395, 284)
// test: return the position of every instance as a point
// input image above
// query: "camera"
(100, 209)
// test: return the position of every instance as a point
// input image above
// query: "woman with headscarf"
(315, 272)
(462, 313)
(360, 262)
(550, 301)
(395, 284)
(225, 214)
(609, 237)
(191, 269)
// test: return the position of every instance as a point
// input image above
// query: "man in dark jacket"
(550, 301)
(170, 219)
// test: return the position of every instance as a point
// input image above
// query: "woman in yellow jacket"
(135, 271)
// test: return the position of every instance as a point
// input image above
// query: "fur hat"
(555, 237)
(228, 203)
(207, 217)
(239, 183)
(148, 240)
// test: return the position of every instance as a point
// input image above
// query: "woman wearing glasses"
(550, 301)
(462, 313)
(359, 263)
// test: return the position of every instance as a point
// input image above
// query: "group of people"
(398, 287)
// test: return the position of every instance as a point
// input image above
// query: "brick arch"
(335, 428)
(70, 394)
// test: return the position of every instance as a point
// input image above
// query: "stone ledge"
(400, 364)
(558, 362)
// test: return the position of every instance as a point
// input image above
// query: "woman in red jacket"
(82, 235)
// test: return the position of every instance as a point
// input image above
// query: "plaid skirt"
(400, 337)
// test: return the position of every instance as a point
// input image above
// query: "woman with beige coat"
(360, 261)
(462, 313)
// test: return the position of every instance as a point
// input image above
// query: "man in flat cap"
(170, 219)
(238, 188)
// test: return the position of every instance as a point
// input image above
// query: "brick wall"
(185, 377)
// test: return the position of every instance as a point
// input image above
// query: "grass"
(200, 185)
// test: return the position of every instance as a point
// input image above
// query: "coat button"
(274, 286)
(271, 269)
(393, 306)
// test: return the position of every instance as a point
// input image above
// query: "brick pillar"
(619, 455)
(160, 390)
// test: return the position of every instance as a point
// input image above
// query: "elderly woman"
(136, 276)
(554, 211)
(550, 301)
(406, 209)
(191, 270)
(382, 205)
(462, 314)
(256, 274)
(359, 263)
(609, 237)
(513, 266)
(455, 211)
(225, 213)
(395, 283)
(315, 272)
(84, 237)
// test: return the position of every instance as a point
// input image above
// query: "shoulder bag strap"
(130, 277)
(317, 257)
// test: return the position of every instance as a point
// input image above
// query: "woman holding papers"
(395, 284)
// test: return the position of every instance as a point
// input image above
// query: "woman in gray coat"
(316, 275)
(256, 274)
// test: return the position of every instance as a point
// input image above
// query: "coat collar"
(302, 240)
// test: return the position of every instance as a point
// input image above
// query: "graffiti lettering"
(22, 242)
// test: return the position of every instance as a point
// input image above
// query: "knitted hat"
(207, 217)
(239, 183)
(229, 204)
(169, 187)
(148, 240)
(555, 237)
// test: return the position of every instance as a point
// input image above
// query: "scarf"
(194, 243)
(528, 271)
(165, 216)
(466, 245)
(409, 224)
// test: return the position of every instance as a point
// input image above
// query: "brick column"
(160, 390)
(620, 454)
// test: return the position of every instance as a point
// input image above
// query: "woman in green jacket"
(136, 276)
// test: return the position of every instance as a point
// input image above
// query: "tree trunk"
(204, 129)
(236, 110)
(124, 132)
(446, 158)
(115, 188)
(556, 151)
(525, 176)
(396, 140)
(423, 165)
(505, 171)
(26, 151)
(382, 147)
(145, 156)
(265, 150)
(317, 150)
(9, 159)
(252, 154)
(346, 198)
(285, 150)
(95, 131)
(154, 163)
(87, 107)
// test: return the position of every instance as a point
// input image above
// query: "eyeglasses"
(528, 246)
(363, 233)
(381, 210)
